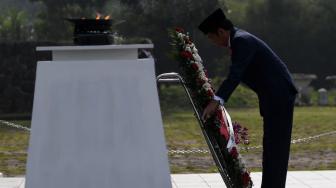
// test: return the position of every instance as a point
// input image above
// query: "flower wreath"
(198, 83)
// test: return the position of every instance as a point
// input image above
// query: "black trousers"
(277, 112)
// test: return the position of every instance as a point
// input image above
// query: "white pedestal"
(97, 124)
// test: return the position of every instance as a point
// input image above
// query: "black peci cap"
(216, 20)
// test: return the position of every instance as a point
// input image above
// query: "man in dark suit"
(257, 66)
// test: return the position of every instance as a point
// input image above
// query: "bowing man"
(256, 65)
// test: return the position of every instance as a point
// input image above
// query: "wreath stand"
(207, 133)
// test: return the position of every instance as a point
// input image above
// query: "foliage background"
(301, 32)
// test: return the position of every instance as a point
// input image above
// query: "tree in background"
(302, 32)
(51, 25)
(152, 19)
(15, 26)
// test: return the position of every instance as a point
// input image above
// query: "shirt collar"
(232, 34)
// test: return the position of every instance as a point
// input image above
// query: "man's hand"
(210, 109)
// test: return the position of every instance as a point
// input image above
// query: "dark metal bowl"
(92, 31)
(93, 39)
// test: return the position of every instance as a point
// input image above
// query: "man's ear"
(221, 32)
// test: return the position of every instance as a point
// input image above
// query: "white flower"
(203, 76)
(189, 46)
(180, 35)
(197, 58)
(188, 49)
(194, 49)
(200, 65)
(205, 79)
(206, 86)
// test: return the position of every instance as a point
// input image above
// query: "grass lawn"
(182, 132)
(13, 149)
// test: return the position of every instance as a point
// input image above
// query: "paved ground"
(12, 182)
(295, 179)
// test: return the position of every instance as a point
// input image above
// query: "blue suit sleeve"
(243, 51)
(221, 101)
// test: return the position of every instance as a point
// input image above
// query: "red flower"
(187, 40)
(206, 73)
(234, 153)
(246, 178)
(210, 93)
(200, 81)
(186, 54)
(194, 66)
(179, 29)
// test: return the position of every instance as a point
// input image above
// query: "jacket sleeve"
(243, 51)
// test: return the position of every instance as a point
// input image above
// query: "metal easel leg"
(209, 138)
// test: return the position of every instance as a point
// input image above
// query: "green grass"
(13, 149)
(182, 126)
(183, 132)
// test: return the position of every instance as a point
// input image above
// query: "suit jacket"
(256, 65)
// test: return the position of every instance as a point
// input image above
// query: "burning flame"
(99, 16)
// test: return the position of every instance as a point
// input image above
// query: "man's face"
(221, 38)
